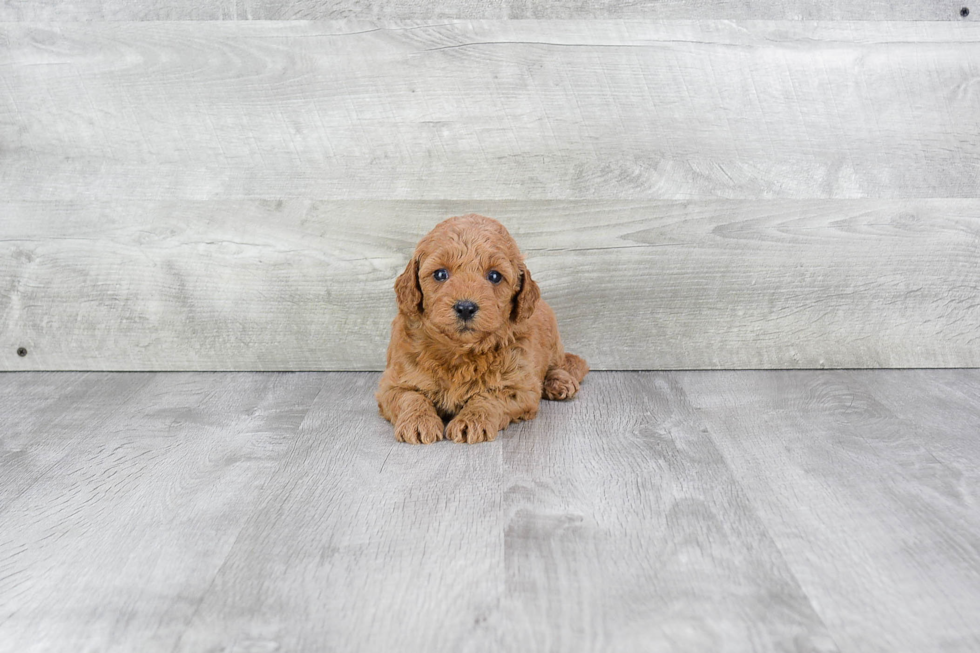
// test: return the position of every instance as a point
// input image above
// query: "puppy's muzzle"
(465, 309)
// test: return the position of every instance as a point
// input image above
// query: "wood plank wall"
(696, 184)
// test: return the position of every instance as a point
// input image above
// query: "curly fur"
(479, 375)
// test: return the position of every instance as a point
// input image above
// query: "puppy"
(473, 342)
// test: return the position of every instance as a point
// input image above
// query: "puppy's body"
(470, 348)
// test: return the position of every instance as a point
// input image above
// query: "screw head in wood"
(22, 351)
(964, 12)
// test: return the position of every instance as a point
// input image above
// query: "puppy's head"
(467, 281)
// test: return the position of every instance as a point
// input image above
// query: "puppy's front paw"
(471, 429)
(419, 429)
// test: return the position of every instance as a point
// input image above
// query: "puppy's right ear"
(408, 291)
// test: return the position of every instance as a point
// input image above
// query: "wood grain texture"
(695, 511)
(294, 285)
(536, 109)
(363, 544)
(205, 516)
(626, 531)
(121, 10)
(943, 411)
(113, 547)
(39, 421)
(875, 518)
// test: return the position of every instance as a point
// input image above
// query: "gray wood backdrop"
(697, 184)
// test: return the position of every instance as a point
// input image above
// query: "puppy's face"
(466, 280)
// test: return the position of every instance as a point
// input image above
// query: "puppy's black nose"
(465, 309)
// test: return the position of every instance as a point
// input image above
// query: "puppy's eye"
(441, 274)
(494, 277)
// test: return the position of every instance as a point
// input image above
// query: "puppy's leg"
(559, 385)
(562, 382)
(485, 414)
(576, 366)
(414, 416)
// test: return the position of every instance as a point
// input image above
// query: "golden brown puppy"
(473, 341)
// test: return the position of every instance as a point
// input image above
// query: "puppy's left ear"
(526, 297)
(408, 291)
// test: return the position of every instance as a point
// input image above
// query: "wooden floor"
(682, 511)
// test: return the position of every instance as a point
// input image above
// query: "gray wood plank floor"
(667, 511)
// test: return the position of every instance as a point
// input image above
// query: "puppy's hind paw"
(419, 430)
(559, 385)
